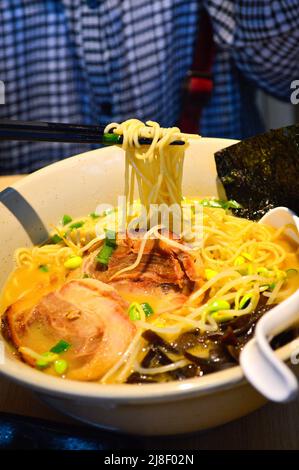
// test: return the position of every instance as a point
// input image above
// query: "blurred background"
(276, 113)
(220, 69)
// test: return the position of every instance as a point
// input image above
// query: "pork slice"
(153, 267)
(90, 315)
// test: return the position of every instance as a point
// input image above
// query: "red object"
(198, 85)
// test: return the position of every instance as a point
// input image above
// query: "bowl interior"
(76, 186)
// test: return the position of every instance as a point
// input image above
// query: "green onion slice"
(66, 219)
(60, 366)
(231, 204)
(46, 359)
(56, 239)
(60, 347)
(110, 138)
(42, 363)
(134, 311)
(94, 215)
(43, 268)
(218, 203)
(146, 307)
(110, 238)
(104, 254)
(78, 224)
(245, 301)
(107, 249)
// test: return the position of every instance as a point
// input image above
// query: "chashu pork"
(90, 315)
(164, 276)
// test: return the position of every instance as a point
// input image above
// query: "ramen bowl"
(77, 185)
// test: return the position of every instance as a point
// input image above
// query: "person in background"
(91, 61)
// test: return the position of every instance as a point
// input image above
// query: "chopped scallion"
(104, 254)
(245, 301)
(42, 363)
(60, 366)
(43, 268)
(212, 203)
(110, 138)
(134, 311)
(94, 215)
(218, 203)
(56, 239)
(66, 219)
(78, 224)
(107, 249)
(232, 204)
(146, 307)
(46, 359)
(110, 238)
(60, 347)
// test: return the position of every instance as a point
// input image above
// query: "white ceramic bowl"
(76, 186)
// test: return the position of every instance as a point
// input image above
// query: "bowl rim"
(131, 393)
(124, 393)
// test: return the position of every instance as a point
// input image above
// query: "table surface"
(272, 427)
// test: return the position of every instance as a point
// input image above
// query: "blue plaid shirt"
(89, 61)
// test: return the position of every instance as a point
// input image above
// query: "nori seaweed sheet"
(262, 172)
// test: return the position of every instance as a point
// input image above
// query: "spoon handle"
(272, 378)
(261, 366)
